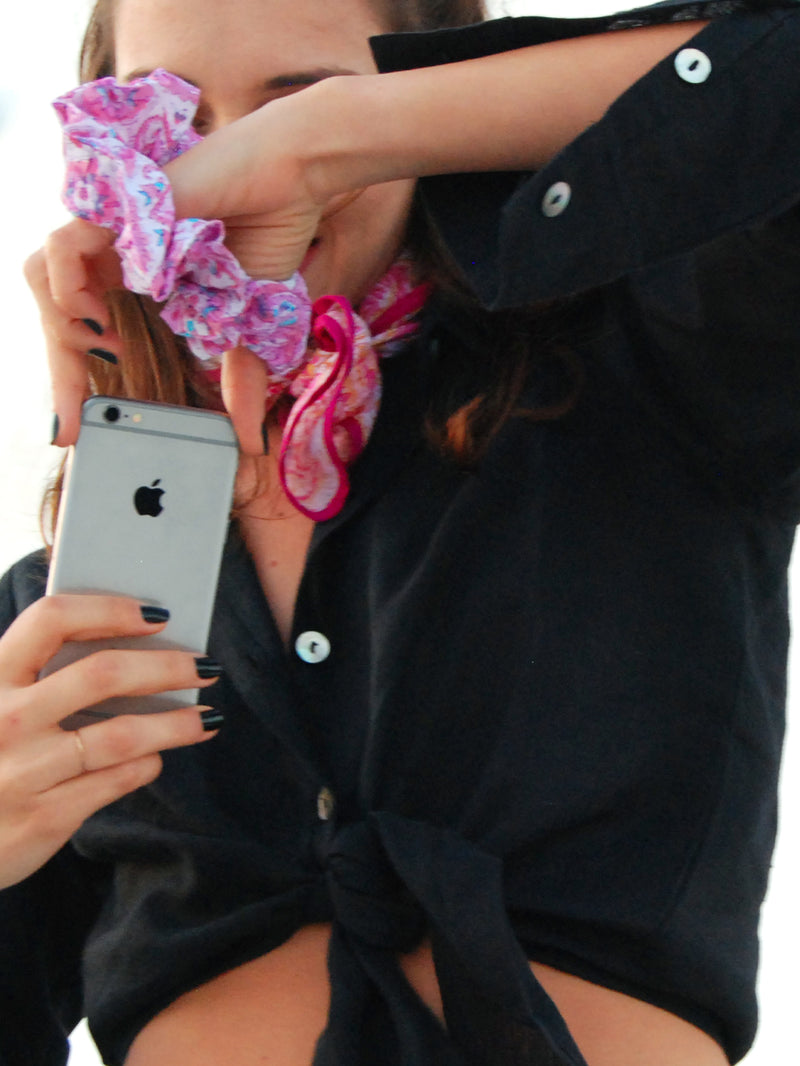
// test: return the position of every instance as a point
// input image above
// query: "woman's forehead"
(274, 37)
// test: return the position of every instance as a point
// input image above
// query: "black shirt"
(546, 716)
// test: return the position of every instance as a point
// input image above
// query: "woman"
(538, 751)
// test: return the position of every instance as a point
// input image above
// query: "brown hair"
(404, 16)
(399, 16)
(476, 393)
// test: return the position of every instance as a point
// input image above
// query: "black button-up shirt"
(533, 710)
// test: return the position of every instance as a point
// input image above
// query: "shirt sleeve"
(43, 920)
(681, 205)
(706, 143)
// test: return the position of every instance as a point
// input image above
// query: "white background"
(38, 50)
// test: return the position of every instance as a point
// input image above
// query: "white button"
(325, 805)
(556, 199)
(312, 647)
(693, 65)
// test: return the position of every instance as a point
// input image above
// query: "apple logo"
(147, 499)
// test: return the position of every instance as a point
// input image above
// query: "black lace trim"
(675, 11)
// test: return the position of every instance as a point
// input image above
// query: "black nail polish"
(95, 327)
(54, 434)
(265, 436)
(101, 353)
(211, 719)
(207, 667)
(154, 615)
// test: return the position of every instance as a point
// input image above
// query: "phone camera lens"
(111, 414)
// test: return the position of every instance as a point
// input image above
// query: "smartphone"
(144, 513)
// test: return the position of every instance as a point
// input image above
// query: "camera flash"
(137, 418)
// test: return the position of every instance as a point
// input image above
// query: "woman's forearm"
(274, 173)
(511, 111)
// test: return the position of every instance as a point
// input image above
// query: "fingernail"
(207, 667)
(211, 719)
(95, 327)
(154, 615)
(265, 435)
(101, 353)
(54, 433)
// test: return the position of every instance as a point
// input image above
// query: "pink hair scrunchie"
(116, 140)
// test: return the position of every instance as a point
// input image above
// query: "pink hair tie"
(116, 140)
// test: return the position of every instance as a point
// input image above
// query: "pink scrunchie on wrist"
(116, 140)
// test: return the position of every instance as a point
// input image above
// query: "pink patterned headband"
(117, 137)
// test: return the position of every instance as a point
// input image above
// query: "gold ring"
(81, 749)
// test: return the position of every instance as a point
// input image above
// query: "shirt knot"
(368, 898)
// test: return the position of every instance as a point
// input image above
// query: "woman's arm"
(512, 111)
(275, 174)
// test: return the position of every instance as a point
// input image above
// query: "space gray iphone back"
(144, 513)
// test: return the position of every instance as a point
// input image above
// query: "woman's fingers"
(272, 247)
(244, 391)
(39, 631)
(129, 737)
(81, 267)
(69, 278)
(66, 356)
(47, 759)
(104, 675)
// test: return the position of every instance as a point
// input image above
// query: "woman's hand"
(51, 780)
(255, 175)
(261, 176)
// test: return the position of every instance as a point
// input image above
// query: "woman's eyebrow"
(306, 77)
(280, 81)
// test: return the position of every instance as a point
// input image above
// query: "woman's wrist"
(347, 149)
